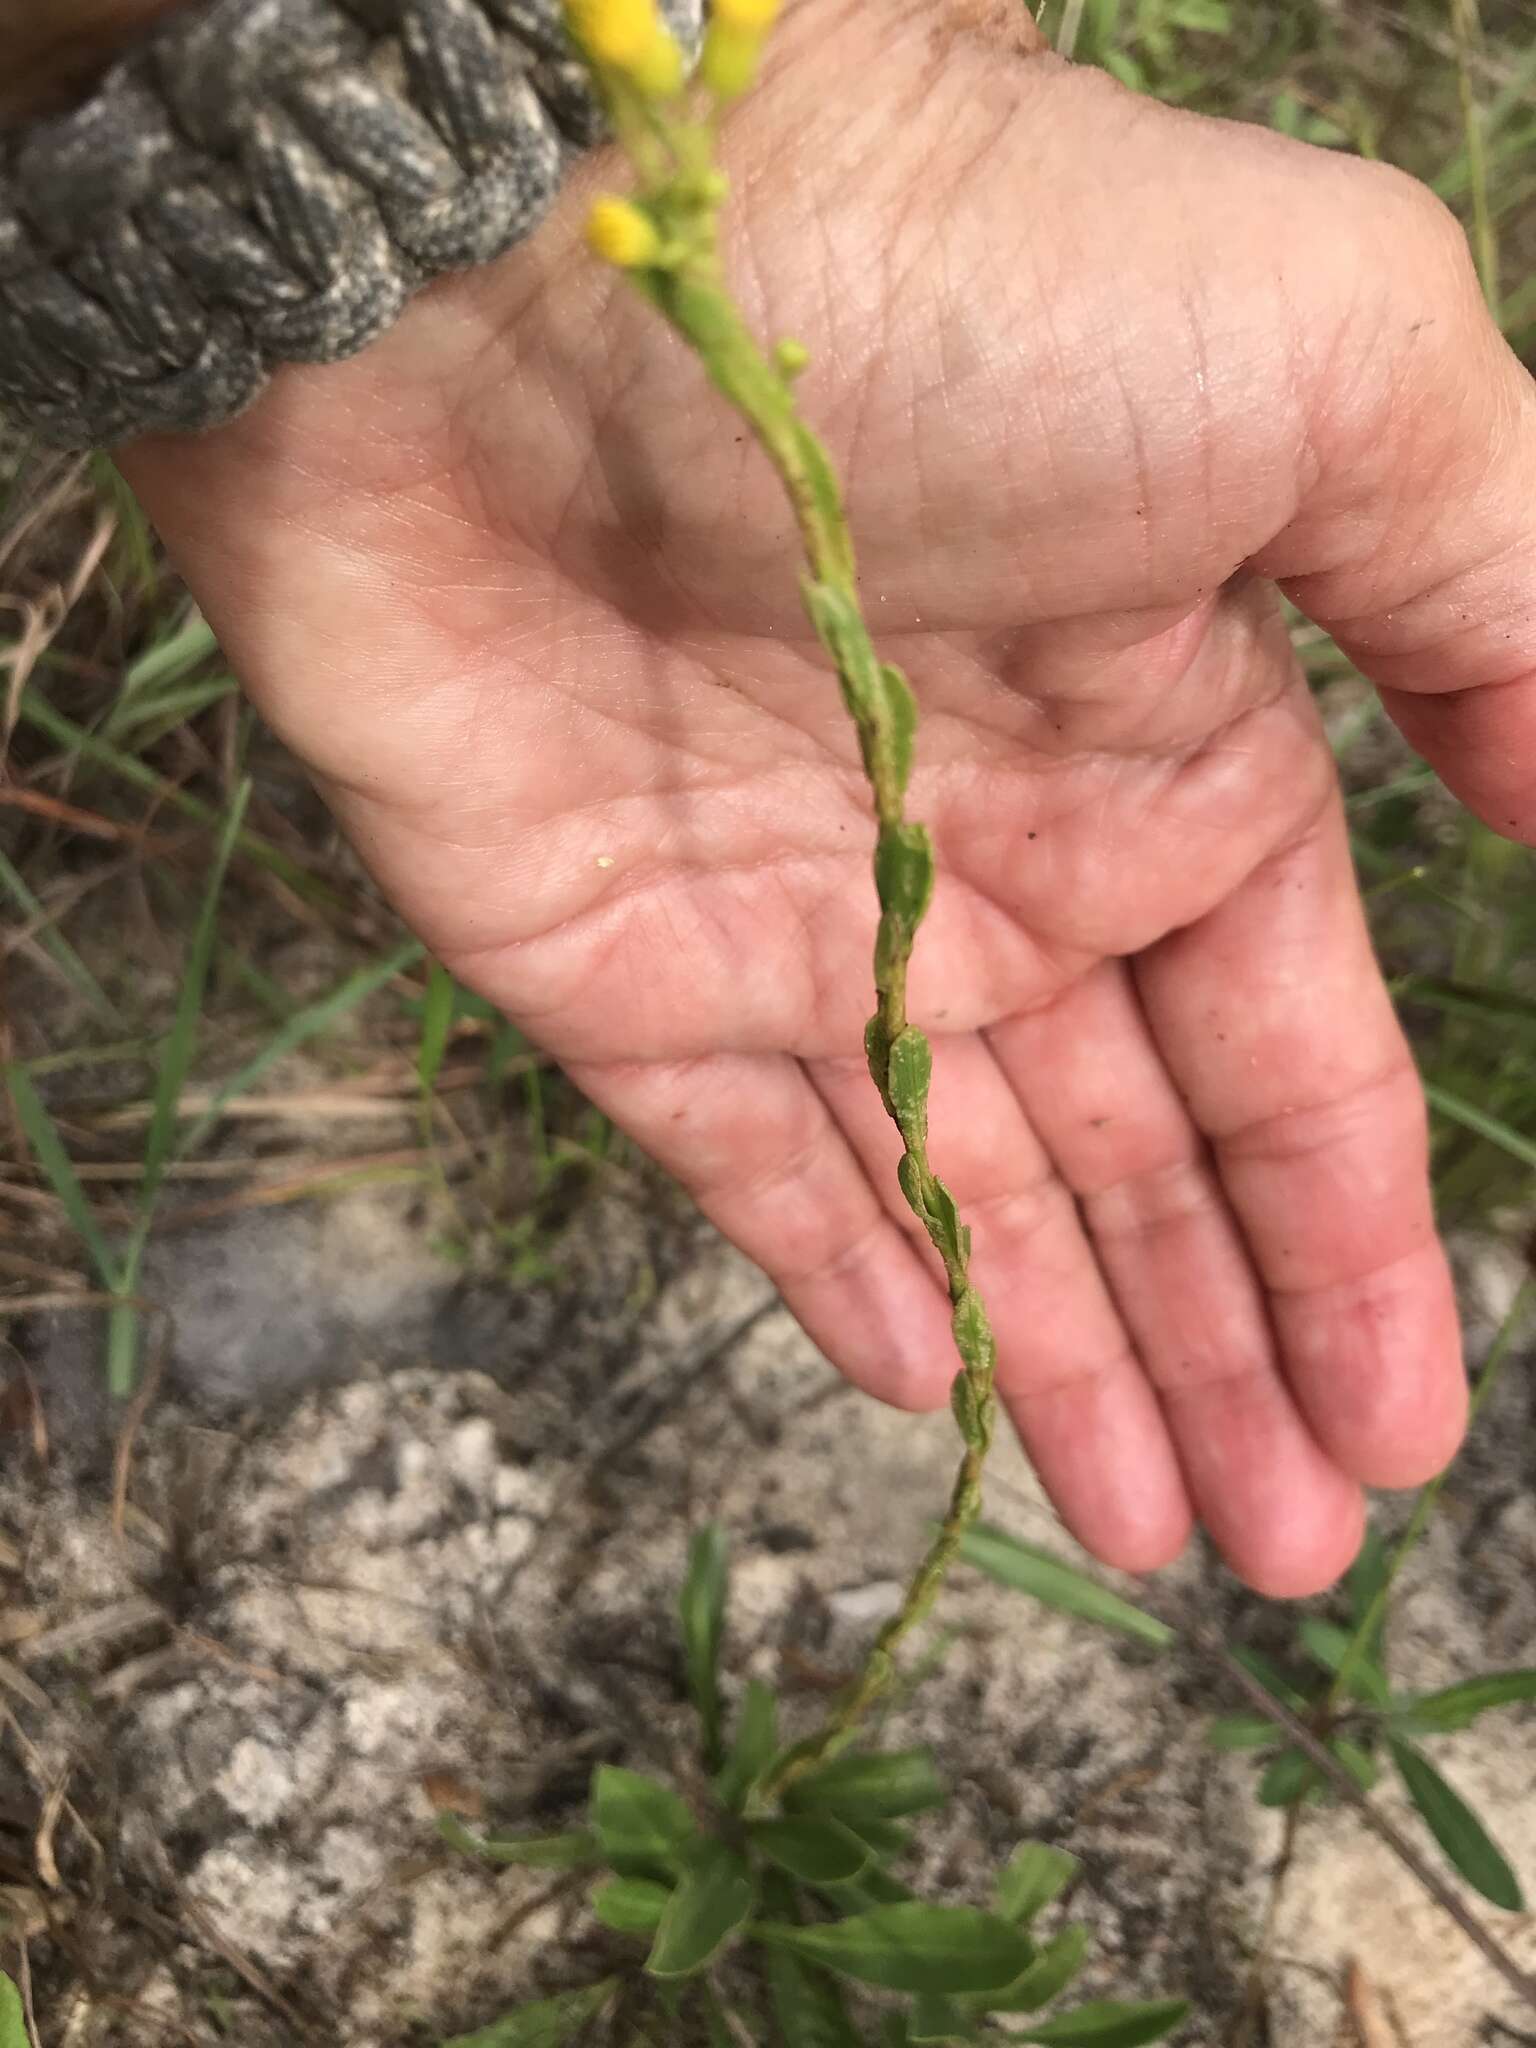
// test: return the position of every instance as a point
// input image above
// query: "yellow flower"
(755, 16)
(658, 71)
(620, 233)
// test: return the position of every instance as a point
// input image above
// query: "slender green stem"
(1424, 1507)
(681, 193)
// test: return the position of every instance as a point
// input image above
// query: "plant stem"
(1424, 1507)
(682, 194)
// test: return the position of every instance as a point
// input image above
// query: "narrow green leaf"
(542, 1852)
(1467, 1844)
(938, 2020)
(1058, 1962)
(1056, 1584)
(1107, 2024)
(712, 1901)
(1359, 1763)
(1033, 1876)
(881, 1787)
(1289, 1778)
(169, 659)
(631, 1905)
(909, 1071)
(13, 2019)
(321, 1015)
(753, 1747)
(43, 1136)
(1458, 1706)
(702, 1609)
(904, 872)
(815, 1849)
(914, 1947)
(1328, 1645)
(550, 2023)
(900, 731)
(1242, 1731)
(1365, 1583)
(637, 1820)
(436, 1023)
(808, 2006)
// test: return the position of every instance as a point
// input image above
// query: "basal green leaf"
(712, 1901)
(885, 1786)
(543, 1852)
(753, 1747)
(702, 1609)
(886, 1839)
(1458, 1706)
(1034, 1875)
(1467, 1844)
(1242, 1731)
(938, 2020)
(638, 1821)
(1107, 2024)
(1047, 1976)
(1289, 1778)
(816, 1848)
(13, 2022)
(631, 1905)
(808, 2006)
(1056, 1584)
(548, 2024)
(914, 1947)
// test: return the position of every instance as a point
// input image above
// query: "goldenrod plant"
(758, 1904)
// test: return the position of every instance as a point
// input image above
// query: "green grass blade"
(43, 1137)
(316, 1017)
(436, 1023)
(56, 946)
(152, 718)
(36, 711)
(1486, 1126)
(176, 1059)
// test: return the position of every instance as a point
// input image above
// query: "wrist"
(49, 55)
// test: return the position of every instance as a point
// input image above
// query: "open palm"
(520, 593)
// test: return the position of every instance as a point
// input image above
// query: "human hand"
(513, 587)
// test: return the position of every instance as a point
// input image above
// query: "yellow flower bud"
(616, 32)
(620, 233)
(729, 63)
(755, 16)
(659, 72)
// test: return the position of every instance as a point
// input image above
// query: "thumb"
(1415, 546)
